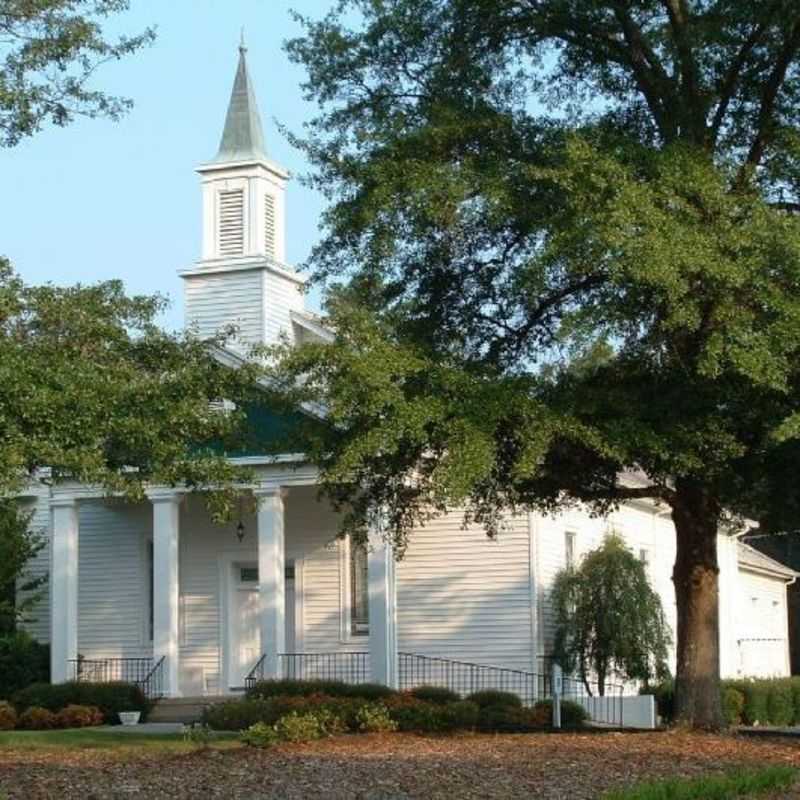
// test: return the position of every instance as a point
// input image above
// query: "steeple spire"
(242, 138)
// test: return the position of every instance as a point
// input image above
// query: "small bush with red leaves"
(37, 719)
(75, 716)
(8, 717)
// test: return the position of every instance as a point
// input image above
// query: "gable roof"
(753, 559)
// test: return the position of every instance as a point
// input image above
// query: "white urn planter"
(129, 717)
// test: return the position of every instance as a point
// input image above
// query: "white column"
(271, 576)
(64, 589)
(166, 539)
(382, 611)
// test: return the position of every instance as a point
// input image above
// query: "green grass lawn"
(735, 784)
(104, 740)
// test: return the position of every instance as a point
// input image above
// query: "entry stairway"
(182, 709)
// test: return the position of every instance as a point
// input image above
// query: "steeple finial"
(242, 138)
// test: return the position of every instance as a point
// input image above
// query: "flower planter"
(129, 717)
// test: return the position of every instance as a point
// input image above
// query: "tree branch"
(734, 70)
(770, 95)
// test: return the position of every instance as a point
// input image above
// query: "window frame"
(349, 629)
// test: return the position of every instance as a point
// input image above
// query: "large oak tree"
(566, 268)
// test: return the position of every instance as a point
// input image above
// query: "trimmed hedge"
(573, 715)
(23, 661)
(435, 694)
(110, 698)
(759, 701)
(298, 688)
(494, 698)
(402, 711)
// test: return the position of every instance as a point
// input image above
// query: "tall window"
(150, 603)
(359, 590)
(569, 548)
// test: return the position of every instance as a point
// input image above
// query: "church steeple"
(242, 277)
(242, 137)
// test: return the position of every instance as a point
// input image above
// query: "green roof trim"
(242, 137)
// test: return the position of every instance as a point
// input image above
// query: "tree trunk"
(696, 577)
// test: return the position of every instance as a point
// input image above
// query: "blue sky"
(101, 200)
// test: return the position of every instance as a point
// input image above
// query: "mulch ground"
(394, 767)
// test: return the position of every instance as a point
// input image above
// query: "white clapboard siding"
(218, 300)
(641, 528)
(231, 222)
(281, 297)
(37, 621)
(463, 596)
(112, 580)
(761, 631)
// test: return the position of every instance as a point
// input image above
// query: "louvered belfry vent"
(269, 225)
(231, 222)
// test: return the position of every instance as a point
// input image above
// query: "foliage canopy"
(565, 261)
(49, 52)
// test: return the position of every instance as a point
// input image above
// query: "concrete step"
(182, 709)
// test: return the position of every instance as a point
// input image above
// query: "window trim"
(346, 633)
(570, 548)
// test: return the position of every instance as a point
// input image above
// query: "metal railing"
(462, 677)
(465, 677)
(145, 673)
(348, 667)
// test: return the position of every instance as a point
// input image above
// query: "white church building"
(157, 593)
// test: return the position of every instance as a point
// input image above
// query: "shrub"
(260, 735)
(664, 694)
(296, 727)
(374, 718)
(297, 688)
(780, 709)
(435, 694)
(110, 698)
(37, 719)
(423, 716)
(756, 695)
(573, 715)
(198, 734)
(795, 684)
(8, 716)
(732, 705)
(23, 661)
(74, 716)
(495, 699)
(238, 715)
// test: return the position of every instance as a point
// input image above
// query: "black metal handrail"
(153, 683)
(143, 672)
(348, 667)
(466, 677)
(256, 674)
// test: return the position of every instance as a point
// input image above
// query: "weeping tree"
(565, 268)
(609, 620)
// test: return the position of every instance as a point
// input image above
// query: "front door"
(244, 627)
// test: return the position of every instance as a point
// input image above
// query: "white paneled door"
(245, 636)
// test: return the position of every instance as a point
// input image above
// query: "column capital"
(63, 501)
(265, 492)
(165, 494)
